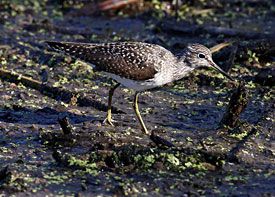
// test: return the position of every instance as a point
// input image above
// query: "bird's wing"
(130, 60)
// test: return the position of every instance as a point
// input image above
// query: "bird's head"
(197, 55)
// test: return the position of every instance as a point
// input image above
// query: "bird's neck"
(181, 69)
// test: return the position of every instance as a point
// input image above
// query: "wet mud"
(211, 136)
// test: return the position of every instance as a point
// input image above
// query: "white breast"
(159, 79)
(132, 84)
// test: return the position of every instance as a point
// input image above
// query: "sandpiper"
(137, 65)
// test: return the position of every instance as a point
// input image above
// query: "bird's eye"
(200, 55)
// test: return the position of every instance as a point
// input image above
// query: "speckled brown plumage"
(131, 60)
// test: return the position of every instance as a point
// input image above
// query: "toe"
(108, 121)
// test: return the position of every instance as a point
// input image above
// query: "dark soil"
(89, 158)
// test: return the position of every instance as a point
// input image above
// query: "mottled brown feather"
(129, 60)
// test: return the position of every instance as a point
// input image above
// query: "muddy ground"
(37, 158)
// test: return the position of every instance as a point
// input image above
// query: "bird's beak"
(220, 70)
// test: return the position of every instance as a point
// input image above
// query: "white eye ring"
(201, 55)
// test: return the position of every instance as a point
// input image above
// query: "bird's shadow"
(43, 116)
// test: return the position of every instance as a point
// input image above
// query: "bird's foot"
(109, 121)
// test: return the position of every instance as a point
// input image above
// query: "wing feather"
(131, 60)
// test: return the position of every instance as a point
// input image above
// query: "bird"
(138, 66)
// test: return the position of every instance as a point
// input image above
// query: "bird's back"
(131, 60)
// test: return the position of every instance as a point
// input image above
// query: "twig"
(220, 46)
(237, 104)
(54, 92)
(65, 125)
(159, 141)
(112, 5)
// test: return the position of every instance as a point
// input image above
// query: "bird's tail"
(77, 50)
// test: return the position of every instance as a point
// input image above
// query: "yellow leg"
(108, 119)
(144, 129)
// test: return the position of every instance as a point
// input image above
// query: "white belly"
(135, 85)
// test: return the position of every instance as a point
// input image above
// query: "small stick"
(220, 46)
(65, 125)
(53, 92)
(112, 5)
(159, 141)
(237, 104)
